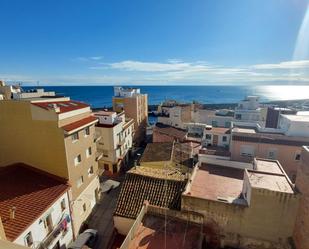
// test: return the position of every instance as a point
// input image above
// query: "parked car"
(88, 238)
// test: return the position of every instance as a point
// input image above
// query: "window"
(247, 151)
(48, 224)
(80, 181)
(214, 123)
(297, 156)
(227, 124)
(29, 239)
(272, 154)
(77, 160)
(105, 153)
(90, 171)
(208, 136)
(224, 139)
(63, 205)
(87, 131)
(84, 207)
(106, 167)
(75, 136)
(238, 116)
(88, 152)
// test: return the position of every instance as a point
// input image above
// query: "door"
(215, 140)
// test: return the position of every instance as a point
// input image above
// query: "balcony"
(96, 138)
(58, 230)
(98, 156)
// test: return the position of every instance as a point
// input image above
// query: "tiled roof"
(137, 188)
(65, 106)
(30, 191)
(155, 152)
(170, 131)
(80, 123)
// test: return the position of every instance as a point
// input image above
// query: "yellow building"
(135, 106)
(116, 132)
(55, 135)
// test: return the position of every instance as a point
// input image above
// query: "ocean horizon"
(101, 96)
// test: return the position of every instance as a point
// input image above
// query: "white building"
(217, 137)
(125, 92)
(248, 110)
(294, 125)
(34, 208)
(116, 132)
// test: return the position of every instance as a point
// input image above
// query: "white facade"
(117, 139)
(49, 236)
(220, 121)
(248, 110)
(294, 125)
(36, 93)
(125, 92)
(214, 137)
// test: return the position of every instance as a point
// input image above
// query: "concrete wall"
(34, 142)
(267, 222)
(122, 224)
(301, 231)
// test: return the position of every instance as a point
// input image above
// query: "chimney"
(12, 212)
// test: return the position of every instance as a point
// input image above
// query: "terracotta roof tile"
(30, 191)
(65, 106)
(137, 188)
(170, 131)
(79, 123)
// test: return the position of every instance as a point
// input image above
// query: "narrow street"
(102, 218)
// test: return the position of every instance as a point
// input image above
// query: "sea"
(101, 96)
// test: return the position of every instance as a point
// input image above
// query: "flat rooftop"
(215, 182)
(269, 166)
(298, 118)
(104, 113)
(244, 130)
(153, 234)
(269, 181)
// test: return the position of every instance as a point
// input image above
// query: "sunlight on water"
(283, 92)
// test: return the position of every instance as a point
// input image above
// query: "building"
(164, 155)
(247, 143)
(116, 133)
(216, 137)
(176, 115)
(294, 125)
(135, 106)
(181, 230)
(16, 92)
(221, 118)
(166, 133)
(34, 208)
(159, 187)
(243, 207)
(301, 231)
(273, 115)
(56, 136)
(249, 110)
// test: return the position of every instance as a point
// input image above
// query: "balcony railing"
(98, 156)
(60, 229)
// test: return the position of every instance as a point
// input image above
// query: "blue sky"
(152, 42)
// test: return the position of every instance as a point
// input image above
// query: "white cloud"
(302, 64)
(175, 71)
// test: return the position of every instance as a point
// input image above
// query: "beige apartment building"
(55, 135)
(246, 143)
(135, 106)
(301, 231)
(116, 132)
